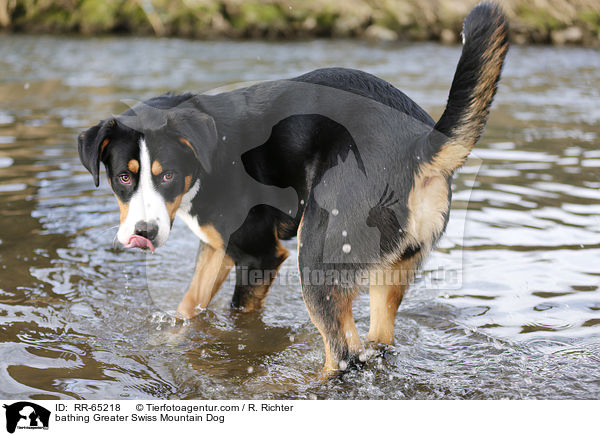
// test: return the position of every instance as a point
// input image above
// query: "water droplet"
(224, 137)
(343, 365)
(292, 338)
(344, 233)
(250, 370)
(335, 212)
(346, 248)
(301, 201)
(327, 298)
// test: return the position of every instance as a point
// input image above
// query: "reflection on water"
(514, 314)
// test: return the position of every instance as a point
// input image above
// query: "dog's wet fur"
(307, 177)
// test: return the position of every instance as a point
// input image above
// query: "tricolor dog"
(338, 158)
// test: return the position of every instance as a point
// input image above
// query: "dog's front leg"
(212, 267)
(253, 279)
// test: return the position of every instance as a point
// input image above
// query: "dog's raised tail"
(485, 44)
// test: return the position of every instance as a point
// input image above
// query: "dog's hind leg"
(212, 268)
(328, 290)
(387, 286)
(330, 309)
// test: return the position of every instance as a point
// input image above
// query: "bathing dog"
(338, 158)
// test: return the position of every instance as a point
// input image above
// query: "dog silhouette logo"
(26, 415)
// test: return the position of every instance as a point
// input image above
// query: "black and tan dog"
(339, 158)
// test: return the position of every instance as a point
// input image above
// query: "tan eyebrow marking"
(156, 168)
(133, 165)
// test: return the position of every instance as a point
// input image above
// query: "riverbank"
(532, 21)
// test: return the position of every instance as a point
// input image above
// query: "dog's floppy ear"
(92, 143)
(195, 130)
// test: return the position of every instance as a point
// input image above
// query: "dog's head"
(154, 160)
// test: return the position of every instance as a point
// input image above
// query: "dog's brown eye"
(125, 179)
(167, 177)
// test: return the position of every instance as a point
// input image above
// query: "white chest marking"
(184, 212)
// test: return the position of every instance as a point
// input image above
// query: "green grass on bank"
(537, 21)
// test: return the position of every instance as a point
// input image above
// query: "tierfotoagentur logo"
(26, 416)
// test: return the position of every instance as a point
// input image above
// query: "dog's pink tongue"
(137, 241)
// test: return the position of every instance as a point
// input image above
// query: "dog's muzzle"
(144, 235)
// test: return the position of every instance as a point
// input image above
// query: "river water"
(507, 306)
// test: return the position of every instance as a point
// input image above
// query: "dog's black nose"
(148, 230)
